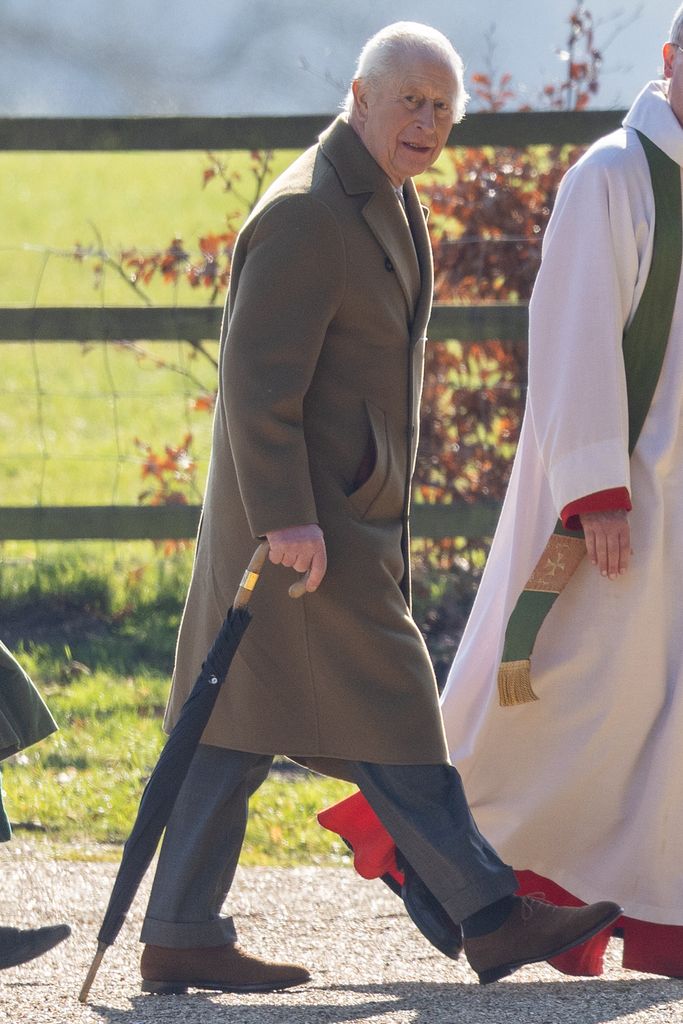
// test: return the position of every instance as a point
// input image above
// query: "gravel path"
(370, 966)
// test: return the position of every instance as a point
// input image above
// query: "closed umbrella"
(165, 781)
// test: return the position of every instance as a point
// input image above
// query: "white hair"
(379, 57)
(676, 32)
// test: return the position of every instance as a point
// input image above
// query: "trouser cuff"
(188, 934)
(473, 898)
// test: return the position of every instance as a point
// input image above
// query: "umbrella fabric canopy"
(165, 781)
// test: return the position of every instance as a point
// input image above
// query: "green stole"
(644, 345)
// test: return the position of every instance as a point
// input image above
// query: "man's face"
(673, 71)
(405, 118)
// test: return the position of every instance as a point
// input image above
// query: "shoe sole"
(179, 988)
(504, 970)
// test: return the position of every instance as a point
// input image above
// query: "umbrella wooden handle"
(250, 578)
(298, 589)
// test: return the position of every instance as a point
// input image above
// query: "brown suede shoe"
(535, 931)
(219, 968)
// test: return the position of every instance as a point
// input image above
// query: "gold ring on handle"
(249, 580)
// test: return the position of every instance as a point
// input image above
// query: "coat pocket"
(367, 494)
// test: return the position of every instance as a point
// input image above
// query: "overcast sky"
(117, 57)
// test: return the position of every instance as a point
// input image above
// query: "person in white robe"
(581, 789)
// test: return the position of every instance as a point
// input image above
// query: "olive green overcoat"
(321, 365)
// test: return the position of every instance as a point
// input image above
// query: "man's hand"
(608, 541)
(302, 548)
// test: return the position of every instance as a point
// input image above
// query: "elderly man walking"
(314, 445)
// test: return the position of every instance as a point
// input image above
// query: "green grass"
(70, 414)
(112, 608)
(82, 785)
(55, 201)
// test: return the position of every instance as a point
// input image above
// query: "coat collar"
(357, 170)
(402, 235)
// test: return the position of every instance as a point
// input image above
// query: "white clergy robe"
(584, 786)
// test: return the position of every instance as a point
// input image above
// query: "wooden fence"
(64, 324)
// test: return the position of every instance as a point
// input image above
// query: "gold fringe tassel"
(514, 683)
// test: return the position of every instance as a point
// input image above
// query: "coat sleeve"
(290, 286)
(582, 299)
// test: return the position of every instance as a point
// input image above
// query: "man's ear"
(359, 89)
(668, 53)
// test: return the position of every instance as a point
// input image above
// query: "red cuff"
(602, 501)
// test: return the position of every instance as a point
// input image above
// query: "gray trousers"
(422, 806)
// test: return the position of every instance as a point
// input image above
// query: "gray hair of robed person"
(391, 44)
(676, 32)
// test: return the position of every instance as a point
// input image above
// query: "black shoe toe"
(18, 945)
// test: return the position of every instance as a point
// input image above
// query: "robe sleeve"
(580, 305)
(617, 498)
(289, 289)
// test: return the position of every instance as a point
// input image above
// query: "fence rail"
(196, 323)
(221, 133)
(177, 522)
(60, 324)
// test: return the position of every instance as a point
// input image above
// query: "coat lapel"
(417, 217)
(359, 173)
(387, 221)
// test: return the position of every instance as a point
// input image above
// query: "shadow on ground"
(585, 1001)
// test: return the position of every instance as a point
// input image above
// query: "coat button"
(388, 265)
